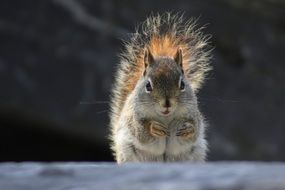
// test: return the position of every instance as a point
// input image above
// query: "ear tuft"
(148, 57)
(178, 58)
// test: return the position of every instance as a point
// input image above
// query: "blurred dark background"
(57, 61)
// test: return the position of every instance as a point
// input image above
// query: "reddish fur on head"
(159, 46)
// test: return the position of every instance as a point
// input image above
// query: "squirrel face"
(163, 87)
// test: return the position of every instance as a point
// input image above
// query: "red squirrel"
(154, 108)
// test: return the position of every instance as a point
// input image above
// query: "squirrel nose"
(167, 103)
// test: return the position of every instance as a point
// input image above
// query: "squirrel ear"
(178, 57)
(148, 57)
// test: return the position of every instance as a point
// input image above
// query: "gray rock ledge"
(178, 176)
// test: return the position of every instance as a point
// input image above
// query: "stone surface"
(85, 176)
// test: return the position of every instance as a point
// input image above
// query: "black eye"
(182, 85)
(148, 86)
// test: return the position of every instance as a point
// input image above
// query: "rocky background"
(57, 62)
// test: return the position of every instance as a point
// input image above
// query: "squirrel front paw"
(158, 130)
(186, 131)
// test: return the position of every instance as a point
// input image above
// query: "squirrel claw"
(158, 130)
(186, 131)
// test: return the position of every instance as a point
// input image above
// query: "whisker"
(220, 100)
(103, 111)
(93, 102)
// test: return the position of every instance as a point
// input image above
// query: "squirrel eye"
(148, 87)
(182, 85)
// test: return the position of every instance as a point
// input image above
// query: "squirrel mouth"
(166, 112)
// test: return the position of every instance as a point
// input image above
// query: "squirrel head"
(163, 87)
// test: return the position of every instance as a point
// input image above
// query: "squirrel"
(154, 109)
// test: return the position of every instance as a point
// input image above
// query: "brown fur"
(159, 46)
(162, 70)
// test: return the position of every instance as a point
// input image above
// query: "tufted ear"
(178, 57)
(148, 58)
